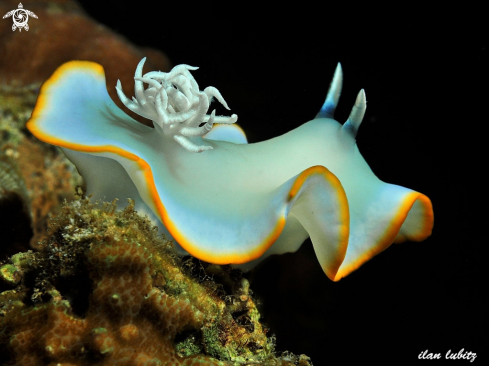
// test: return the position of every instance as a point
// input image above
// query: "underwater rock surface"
(106, 289)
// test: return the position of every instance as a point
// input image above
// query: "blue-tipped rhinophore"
(334, 92)
(356, 114)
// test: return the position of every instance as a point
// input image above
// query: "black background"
(425, 77)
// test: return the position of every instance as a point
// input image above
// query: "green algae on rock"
(106, 289)
(9, 274)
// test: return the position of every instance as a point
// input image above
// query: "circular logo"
(20, 18)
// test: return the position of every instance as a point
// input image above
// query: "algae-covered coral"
(105, 289)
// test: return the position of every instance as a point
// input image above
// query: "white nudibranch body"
(219, 198)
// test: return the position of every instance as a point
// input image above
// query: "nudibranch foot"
(219, 198)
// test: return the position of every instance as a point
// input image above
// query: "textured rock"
(105, 289)
(15, 217)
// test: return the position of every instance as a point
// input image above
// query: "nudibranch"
(221, 199)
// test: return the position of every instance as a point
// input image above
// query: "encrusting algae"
(106, 289)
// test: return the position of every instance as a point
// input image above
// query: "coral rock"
(107, 290)
(15, 217)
